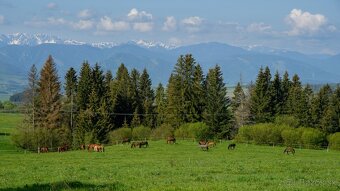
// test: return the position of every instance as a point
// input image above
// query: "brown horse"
(171, 140)
(62, 148)
(135, 144)
(204, 147)
(202, 142)
(98, 148)
(44, 149)
(231, 146)
(289, 149)
(82, 147)
(211, 143)
(90, 147)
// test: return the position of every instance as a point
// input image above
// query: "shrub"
(312, 138)
(292, 136)
(141, 132)
(334, 141)
(119, 134)
(197, 130)
(162, 132)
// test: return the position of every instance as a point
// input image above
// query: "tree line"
(96, 102)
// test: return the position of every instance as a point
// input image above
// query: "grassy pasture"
(182, 166)
(172, 167)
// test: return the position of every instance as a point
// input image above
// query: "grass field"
(182, 166)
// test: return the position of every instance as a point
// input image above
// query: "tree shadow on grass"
(64, 185)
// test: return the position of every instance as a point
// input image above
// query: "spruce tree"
(160, 101)
(84, 86)
(174, 106)
(276, 95)
(49, 102)
(320, 104)
(286, 83)
(217, 115)
(238, 97)
(198, 94)
(147, 98)
(71, 84)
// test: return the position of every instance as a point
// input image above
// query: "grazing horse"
(171, 140)
(126, 140)
(90, 147)
(44, 149)
(202, 142)
(211, 143)
(98, 148)
(289, 149)
(143, 144)
(134, 144)
(204, 147)
(231, 146)
(62, 148)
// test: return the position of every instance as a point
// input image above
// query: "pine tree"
(160, 101)
(198, 94)
(320, 104)
(174, 106)
(286, 83)
(49, 101)
(147, 98)
(84, 86)
(71, 84)
(136, 119)
(276, 95)
(135, 91)
(217, 115)
(261, 98)
(238, 97)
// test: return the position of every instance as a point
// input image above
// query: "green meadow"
(182, 166)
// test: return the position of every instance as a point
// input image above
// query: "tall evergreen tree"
(237, 97)
(198, 94)
(174, 107)
(71, 84)
(84, 86)
(217, 115)
(276, 95)
(147, 97)
(135, 91)
(320, 104)
(330, 122)
(261, 98)
(286, 83)
(49, 102)
(160, 101)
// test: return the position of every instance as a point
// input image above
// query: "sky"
(307, 26)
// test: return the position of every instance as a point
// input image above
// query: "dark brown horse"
(289, 149)
(171, 140)
(62, 148)
(82, 147)
(143, 144)
(204, 147)
(135, 144)
(202, 142)
(231, 146)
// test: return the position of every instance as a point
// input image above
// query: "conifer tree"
(174, 107)
(285, 93)
(71, 84)
(276, 95)
(84, 86)
(198, 94)
(238, 97)
(135, 91)
(49, 102)
(261, 98)
(147, 98)
(160, 101)
(320, 104)
(217, 115)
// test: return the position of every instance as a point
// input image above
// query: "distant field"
(182, 166)
(8, 121)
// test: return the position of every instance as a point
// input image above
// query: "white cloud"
(258, 27)
(51, 21)
(304, 22)
(192, 24)
(143, 26)
(85, 14)
(2, 19)
(134, 14)
(332, 28)
(107, 25)
(169, 24)
(83, 25)
(52, 6)
(192, 21)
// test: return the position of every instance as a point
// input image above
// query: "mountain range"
(19, 51)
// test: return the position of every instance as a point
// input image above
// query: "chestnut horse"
(289, 149)
(211, 143)
(171, 140)
(62, 148)
(98, 148)
(204, 147)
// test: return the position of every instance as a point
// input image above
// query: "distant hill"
(17, 56)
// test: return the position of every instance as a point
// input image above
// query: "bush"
(119, 134)
(162, 132)
(334, 141)
(292, 136)
(312, 138)
(197, 130)
(141, 132)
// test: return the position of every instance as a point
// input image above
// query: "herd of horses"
(203, 144)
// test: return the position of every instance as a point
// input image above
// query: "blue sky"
(307, 26)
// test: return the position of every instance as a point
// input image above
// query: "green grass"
(172, 167)
(182, 166)
(9, 121)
